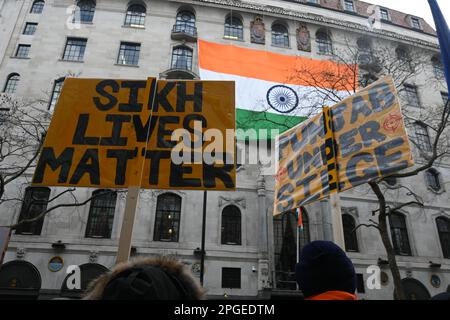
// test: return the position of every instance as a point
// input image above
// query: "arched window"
(364, 51)
(399, 233)
(280, 35)
(167, 222)
(37, 7)
(12, 83)
(231, 225)
(57, 87)
(182, 58)
(351, 240)
(101, 214)
(404, 58)
(234, 28)
(423, 140)
(285, 228)
(87, 10)
(185, 22)
(135, 16)
(443, 226)
(324, 42)
(433, 179)
(33, 205)
(438, 67)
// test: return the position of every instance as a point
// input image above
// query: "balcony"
(184, 32)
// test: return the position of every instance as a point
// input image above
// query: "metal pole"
(203, 253)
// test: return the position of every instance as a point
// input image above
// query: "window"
(360, 287)
(415, 23)
(167, 222)
(433, 180)
(280, 35)
(23, 51)
(129, 54)
(231, 225)
(234, 28)
(57, 87)
(87, 10)
(33, 205)
(135, 16)
(399, 234)
(412, 96)
(37, 7)
(443, 226)
(185, 22)
(101, 214)
(12, 83)
(351, 240)
(4, 114)
(391, 181)
(422, 137)
(30, 28)
(349, 6)
(324, 43)
(231, 278)
(364, 51)
(75, 48)
(438, 67)
(385, 14)
(182, 58)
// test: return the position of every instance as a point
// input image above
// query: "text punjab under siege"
(117, 133)
(351, 143)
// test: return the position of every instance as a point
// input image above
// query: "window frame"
(107, 212)
(350, 238)
(384, 12)
(444, 248)
(181, 57)
(324, 43)
(15, 77)
(55, 93)
(402, 234)
(280, 39)
(28, 24)
(416, 23)
(135, 16)
(233, 30)
(349, 6)
(34, 228)
(433, 180)
(136, 53)
(83, 52)
(412, 96)
(19, 51)
(423, 137)
(37, 7)
(165, 213)
(186, 26)
(87, 9)
(231, 222)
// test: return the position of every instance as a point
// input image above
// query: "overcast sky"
(418, 8)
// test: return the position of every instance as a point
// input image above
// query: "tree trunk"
(384, 233)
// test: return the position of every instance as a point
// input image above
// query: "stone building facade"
(39, 46)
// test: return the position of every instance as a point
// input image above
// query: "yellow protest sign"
(117, 133)
(354, 142)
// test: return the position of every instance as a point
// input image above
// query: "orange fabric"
(334, 295)
(269, 66)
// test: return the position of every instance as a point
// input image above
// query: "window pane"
(11, 84)
(75, 49)
(101, 214)
(38, 7)
(234, 28)
(443, 225)
(433, 180)
(351, 242)
(34, 204)
(231, 226)
(55, 93)
(30, 28)
(185, 22)
(167, 222)
(324, 43)
(412, 97)
(422, 137)
(399, 235)
(129, 53)
(135, 16)
(280, 36)
(87, 11)
(23, 51)
(182, 58)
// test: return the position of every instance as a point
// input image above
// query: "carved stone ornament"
(258, 31)
(20, 253)
(240, 202)
(303, 38)
(93, 257)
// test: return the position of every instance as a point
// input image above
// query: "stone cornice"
(312, 18)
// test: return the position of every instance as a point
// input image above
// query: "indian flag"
(271, 90)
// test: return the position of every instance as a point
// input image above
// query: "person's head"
(146, 279)
(324, 267)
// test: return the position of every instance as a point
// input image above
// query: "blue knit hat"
(324, 267)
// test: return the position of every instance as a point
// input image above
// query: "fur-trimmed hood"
(170, 266)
